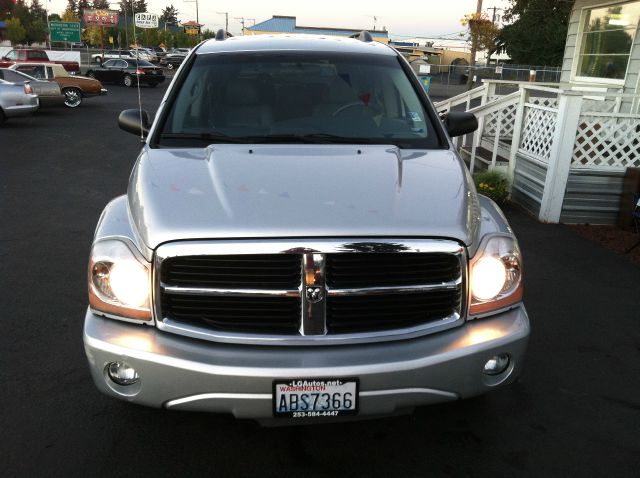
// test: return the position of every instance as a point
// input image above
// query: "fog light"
(496, 364)
(122, 373)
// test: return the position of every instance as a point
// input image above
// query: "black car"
(172, 60)
(125, 71)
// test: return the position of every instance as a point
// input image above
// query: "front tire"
(127, 81)
(72, 97)
(99, 59)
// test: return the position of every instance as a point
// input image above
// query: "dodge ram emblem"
(314, 294)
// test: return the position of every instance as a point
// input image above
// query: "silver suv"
(301, 241)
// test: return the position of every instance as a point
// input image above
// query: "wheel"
(127, 80)
(72, 97)
(170, 66)
(99, 59)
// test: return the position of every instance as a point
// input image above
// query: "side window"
(50, 72)
(123, 64)
(12, 55)
(12, 76)
(38, 72)
(108, 64)
(22, 55)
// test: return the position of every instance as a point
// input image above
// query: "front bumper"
(189, 374)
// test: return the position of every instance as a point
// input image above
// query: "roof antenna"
(364, 36)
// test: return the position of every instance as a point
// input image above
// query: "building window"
(606, 40)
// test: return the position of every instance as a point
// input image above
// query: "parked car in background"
(110, 54)
(147, 54)
(172, 60)
(16, 99)
(41, 56)
(125, 72)
(183, 51)
(144, 54)
(49, 93)
(159, 51)
(73, 87)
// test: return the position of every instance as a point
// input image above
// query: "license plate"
(305, 398)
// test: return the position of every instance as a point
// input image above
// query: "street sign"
(105, 18)
(146, 20)
(65, 31)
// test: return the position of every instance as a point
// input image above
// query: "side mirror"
(134, 121)
(459, 123)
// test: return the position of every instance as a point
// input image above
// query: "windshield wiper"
(314, 138)
(213, 137)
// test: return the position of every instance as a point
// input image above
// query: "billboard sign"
(65, 31)
(105, 18)
(146, 20)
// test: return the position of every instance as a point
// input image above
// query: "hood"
(269, 191)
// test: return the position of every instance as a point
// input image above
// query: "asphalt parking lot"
(575, 411)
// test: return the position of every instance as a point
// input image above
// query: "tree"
(6, 6)
(484, 33)
(169, 15)
(82, 6)
(70, 16)
(15, 32)
(139, 6)
(72, 5)
(538, 33)
(100, 4)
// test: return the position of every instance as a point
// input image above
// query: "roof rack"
(364, 36)
(222, 35)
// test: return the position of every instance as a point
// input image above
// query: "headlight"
(495, 275)
(119, 281)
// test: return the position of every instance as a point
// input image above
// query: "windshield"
(289, 97)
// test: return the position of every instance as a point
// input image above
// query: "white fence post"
(564, 138)
(517, 134)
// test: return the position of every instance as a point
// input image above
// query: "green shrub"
(492, 184)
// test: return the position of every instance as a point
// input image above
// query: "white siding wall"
(570, 52)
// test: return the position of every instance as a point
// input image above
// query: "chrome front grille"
(309, 292)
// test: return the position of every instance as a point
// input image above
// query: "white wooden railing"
(562, 129)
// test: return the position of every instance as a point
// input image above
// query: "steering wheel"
(355, 104)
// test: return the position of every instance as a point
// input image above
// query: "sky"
(421, 18)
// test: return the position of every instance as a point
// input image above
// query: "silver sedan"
(17, 99)
(48, 92)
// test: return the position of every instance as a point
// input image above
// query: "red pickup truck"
(40, 56)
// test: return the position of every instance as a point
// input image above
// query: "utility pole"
(474, 49)
(494, 16)
(226, 20)
(241, 20)
(197, 14)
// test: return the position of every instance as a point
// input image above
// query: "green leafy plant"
(492, 184)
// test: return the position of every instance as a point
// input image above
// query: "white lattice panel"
(508, 120)
(537, 132)
(607, 143)
(543, 101)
